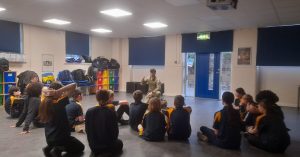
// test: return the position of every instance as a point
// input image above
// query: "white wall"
(170, 74)
(244, 76)
(284, 81)
(38, 41)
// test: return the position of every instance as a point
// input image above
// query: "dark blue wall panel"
(10, 37)
(219, 42)
(278, 46)
(77, 43)
(147, 51)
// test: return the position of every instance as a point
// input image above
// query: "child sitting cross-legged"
(179, 127)
(101, 127)
(14, 104)
(153, 127)
(137, 110)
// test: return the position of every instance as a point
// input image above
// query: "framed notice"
(244, 56)
(48, 63)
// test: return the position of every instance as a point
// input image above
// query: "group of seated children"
(263, 123)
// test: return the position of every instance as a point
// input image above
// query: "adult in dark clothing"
(226, 128)
(179, 120)
(270, 132)
(154, 124)
(57, 131)
(102, 127)
(25, 78)
(137, 110)
(75, 113)
(31, 107)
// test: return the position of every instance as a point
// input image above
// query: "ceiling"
(182, 16)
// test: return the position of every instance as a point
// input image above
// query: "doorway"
(189, 74)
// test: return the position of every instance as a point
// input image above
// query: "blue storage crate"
(116, 73)
(116, 80)
(9, 76)
(7, 86)
(116, 87)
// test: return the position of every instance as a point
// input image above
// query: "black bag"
(100, 63)
(78, 75)
(113, 64)
(65, 75)
(87, 59)
(4, 65)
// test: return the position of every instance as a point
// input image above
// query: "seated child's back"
(137, 110)
(154, 124)
(179, 120)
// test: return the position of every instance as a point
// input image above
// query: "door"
(207, 75)
(189, 74)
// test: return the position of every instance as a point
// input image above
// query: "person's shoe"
(46, 151)
(202, 137)
(56, 152)
(124, 122)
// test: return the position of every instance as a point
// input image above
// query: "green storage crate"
(1, 77)
(1, 100)
(1, 88)
(111, 80)
(111, 73)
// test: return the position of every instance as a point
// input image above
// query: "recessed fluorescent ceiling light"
(57, 21)
(116, 12)
(155, 25)
(2, 9)
(101, 30)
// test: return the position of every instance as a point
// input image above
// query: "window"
(147, 51)
(77, 44)
(10, 37)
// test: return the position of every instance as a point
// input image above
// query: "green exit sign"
(203, 36)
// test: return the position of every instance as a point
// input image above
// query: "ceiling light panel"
(57, 21)
(155, 25)
(101, 30)
(116, 12)
(2, 9)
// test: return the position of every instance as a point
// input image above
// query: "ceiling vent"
(222, 4)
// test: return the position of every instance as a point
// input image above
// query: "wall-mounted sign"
(203, 36)
(48, 63)
(244, 56)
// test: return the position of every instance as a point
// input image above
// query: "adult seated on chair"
(154, 85)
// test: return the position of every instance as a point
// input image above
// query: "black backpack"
(100, 63)
(78, 75)
(4, 65)
(113, 64)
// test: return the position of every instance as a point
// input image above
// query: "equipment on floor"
(65, 77)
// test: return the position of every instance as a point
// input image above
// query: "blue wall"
(219, 42)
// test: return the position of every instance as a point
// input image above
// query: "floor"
(30, 145)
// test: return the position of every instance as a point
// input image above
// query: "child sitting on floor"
(179, 127)
(137, 110)
(102, 127)
(14, 104)
(75, 113)
(153, 127)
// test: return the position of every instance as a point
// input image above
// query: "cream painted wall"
(284, 81)
(244, 76)
(38, 41)
(170, 74)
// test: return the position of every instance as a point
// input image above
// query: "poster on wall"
(244, 56)
(48, 63)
